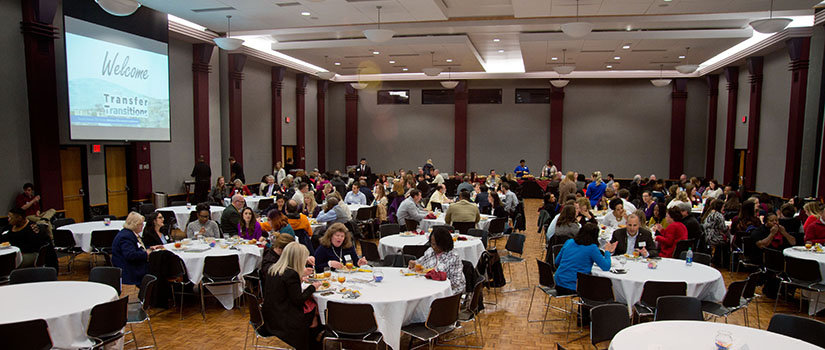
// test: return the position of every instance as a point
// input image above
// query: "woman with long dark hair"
(249, 227)
(578, 255)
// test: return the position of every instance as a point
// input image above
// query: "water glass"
(188, 205)
(724, 340)
(622, 260)
(378, 276)
(107, 221)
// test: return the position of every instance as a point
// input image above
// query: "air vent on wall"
(287, 4)
(214, 9)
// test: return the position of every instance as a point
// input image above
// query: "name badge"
(642, 244)
(347, 258)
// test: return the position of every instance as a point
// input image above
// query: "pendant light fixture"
(687, 68)
(577, 29)
(358, 85)
(119, 7)
(661, 81)
(228, 43)
(449, 84)
(325, 75)
(559, 83)
(432, 71)
(379, 35)
(564, 68)
(770, 25)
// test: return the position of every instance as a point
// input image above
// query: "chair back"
(103, 217)
(350, 319)
(477, 232)
(177, 203)
(44, 250)
(397, 260)
(62, 222)
(443, 312)
(802, 328)
(559, 347)
(515, 243)
(389, 229)
(107, 319)
(415, 250)
(63, 239)
(652, 290)
(802, 269)
(607, 320)
(264, 204)
(546, 274)
(193, 216)
(101, 239)
(146, 209)
(7, 263)
(701, 258)
(363, 214)
(555, 249)
(755, 279)
(370, 251)
(26, 335)
(497, 226)
(436, 206)
(108, 275)
(773, 260)
(303, 238)
(411, 225)
(169, 218)
(147, 288)
(678, 308)
(594, 288)
(256, 319)
(734, 294)
(463, 227)
(218, 268)
(683, 245)
(478, 292)
(446, 227)
(32, 274)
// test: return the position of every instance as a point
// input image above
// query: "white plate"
(6, 247)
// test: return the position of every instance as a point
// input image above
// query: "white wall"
(773, 123)
(696, 128)
(721, 129)
(808, 174)
(743, 108)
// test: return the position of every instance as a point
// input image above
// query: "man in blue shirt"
(522, 169)
(355, 196)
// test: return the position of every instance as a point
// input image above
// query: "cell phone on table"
(327, 293)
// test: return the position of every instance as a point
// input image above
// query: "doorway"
(287, 153)
(117, 192)
(740, 167)
(73, 177)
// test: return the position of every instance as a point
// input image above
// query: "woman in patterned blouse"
(441, 257)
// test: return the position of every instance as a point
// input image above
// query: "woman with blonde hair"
(583, 213)
(240, 188)
(679, 198)
(398, 187)
(128, 251)
(567, 186)
(288, 311)
(219, 192)
(310, 205)
(381, 203)
(595, 190)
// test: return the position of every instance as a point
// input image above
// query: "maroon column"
(235, 64)
(677, 127)
(140, 172)
(713, 104)
(460, 125)
(41, 86)
(732, 76)
(556, 125)
(201, 54)
(351, 126)
(755, 69)
(277, 113)
(799, 50)
(321, 108)
(300, 118)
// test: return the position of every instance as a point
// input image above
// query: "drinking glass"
(107, 221)
(622, 261)
(378, 276)
(342, 278)
(327, 272)
(724, 340)
(188, 205)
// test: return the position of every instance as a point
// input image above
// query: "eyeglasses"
(203, 216)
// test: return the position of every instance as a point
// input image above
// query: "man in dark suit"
(363, 171)
(638, 237)
(202, 174)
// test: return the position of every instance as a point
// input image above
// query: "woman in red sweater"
(814, 226)
(674, 232)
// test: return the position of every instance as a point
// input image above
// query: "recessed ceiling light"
(337, 63)
(554, 58)
(306, 13)
(449, 60)
(496, 40)
(625, 47)
(668, 0)
(500, 51)
(628, 28)
(375, 52)
(392, 62)
(617, 58)
(609, 66)
(681, 57)
(405, 69)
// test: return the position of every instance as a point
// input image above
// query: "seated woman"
(310, 207)
(566, 226)
(680, 197)
(616, 218)
(289, 312)
(578, 255)
(276, 223)
(583, 213)
(128, 251)
(203, 226)
(380, 202)
(219, 192)
(659, 216)
(771, 235)
(441, 257)
(747, 220)
(675, 232)
(154, 233)
(815, 226)
(24, 235)
(249, 227)
(240, 188)
(331, 212)
(336, 249)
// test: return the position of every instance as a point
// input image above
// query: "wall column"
(321, 97)
(732, 76)
(556, 125)
(799, 50)
(277, 113)
(460, 126)
(41, 85)
(235, 68)
(351, 126)
(201, 54)
(713, 104)
(300, 118)
(755, 69)
(678, 111)
(139, 162)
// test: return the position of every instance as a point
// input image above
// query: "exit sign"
(744, 119)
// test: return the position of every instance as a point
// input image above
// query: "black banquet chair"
(678, 308)
(218, 271)
(26, 335)
(256, 322)
(138, 312)
(607, 320)
(802, 328)
(106, 322)
(547, 285)
(651, 291)
(415, 250)
(351, 324)
(33, 274)
(441, 320)
(107, 275)
(389, 229)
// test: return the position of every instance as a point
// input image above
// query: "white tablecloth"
(249, 257)
(83, 231)
(426, 224)
(469, 250)
(251, 201)
(13, 250)
(703, 282)
(65, 305)
(398, 300)
(353, 208)
(182, 214)
(692, 335)
(818, 257)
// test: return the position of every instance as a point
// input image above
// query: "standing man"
(363, 171)
(232, 215)
(203, 175)
(236, 170)
(522, 169)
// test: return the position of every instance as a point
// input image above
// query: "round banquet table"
(13, 250)
(251, 201)
(691, 335)
(83, 231)
(800, 252)
(703, 282)
(194, 256)
(182, 213)
(65, 305)
(426, 224)
(398, 300)
(469, 250)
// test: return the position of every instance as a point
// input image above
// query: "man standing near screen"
(236, 170)
(202, 174)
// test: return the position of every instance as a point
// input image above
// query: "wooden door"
(116, 190)
(71, 174)
(740, 172)
(288, 152)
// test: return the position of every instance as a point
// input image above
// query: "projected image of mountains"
(95, 102)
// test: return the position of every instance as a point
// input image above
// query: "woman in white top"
(713, 190)
(681, 197)
(549, 170)
(617, 217)
(279, 172)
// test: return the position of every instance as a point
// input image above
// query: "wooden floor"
(505, 324)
